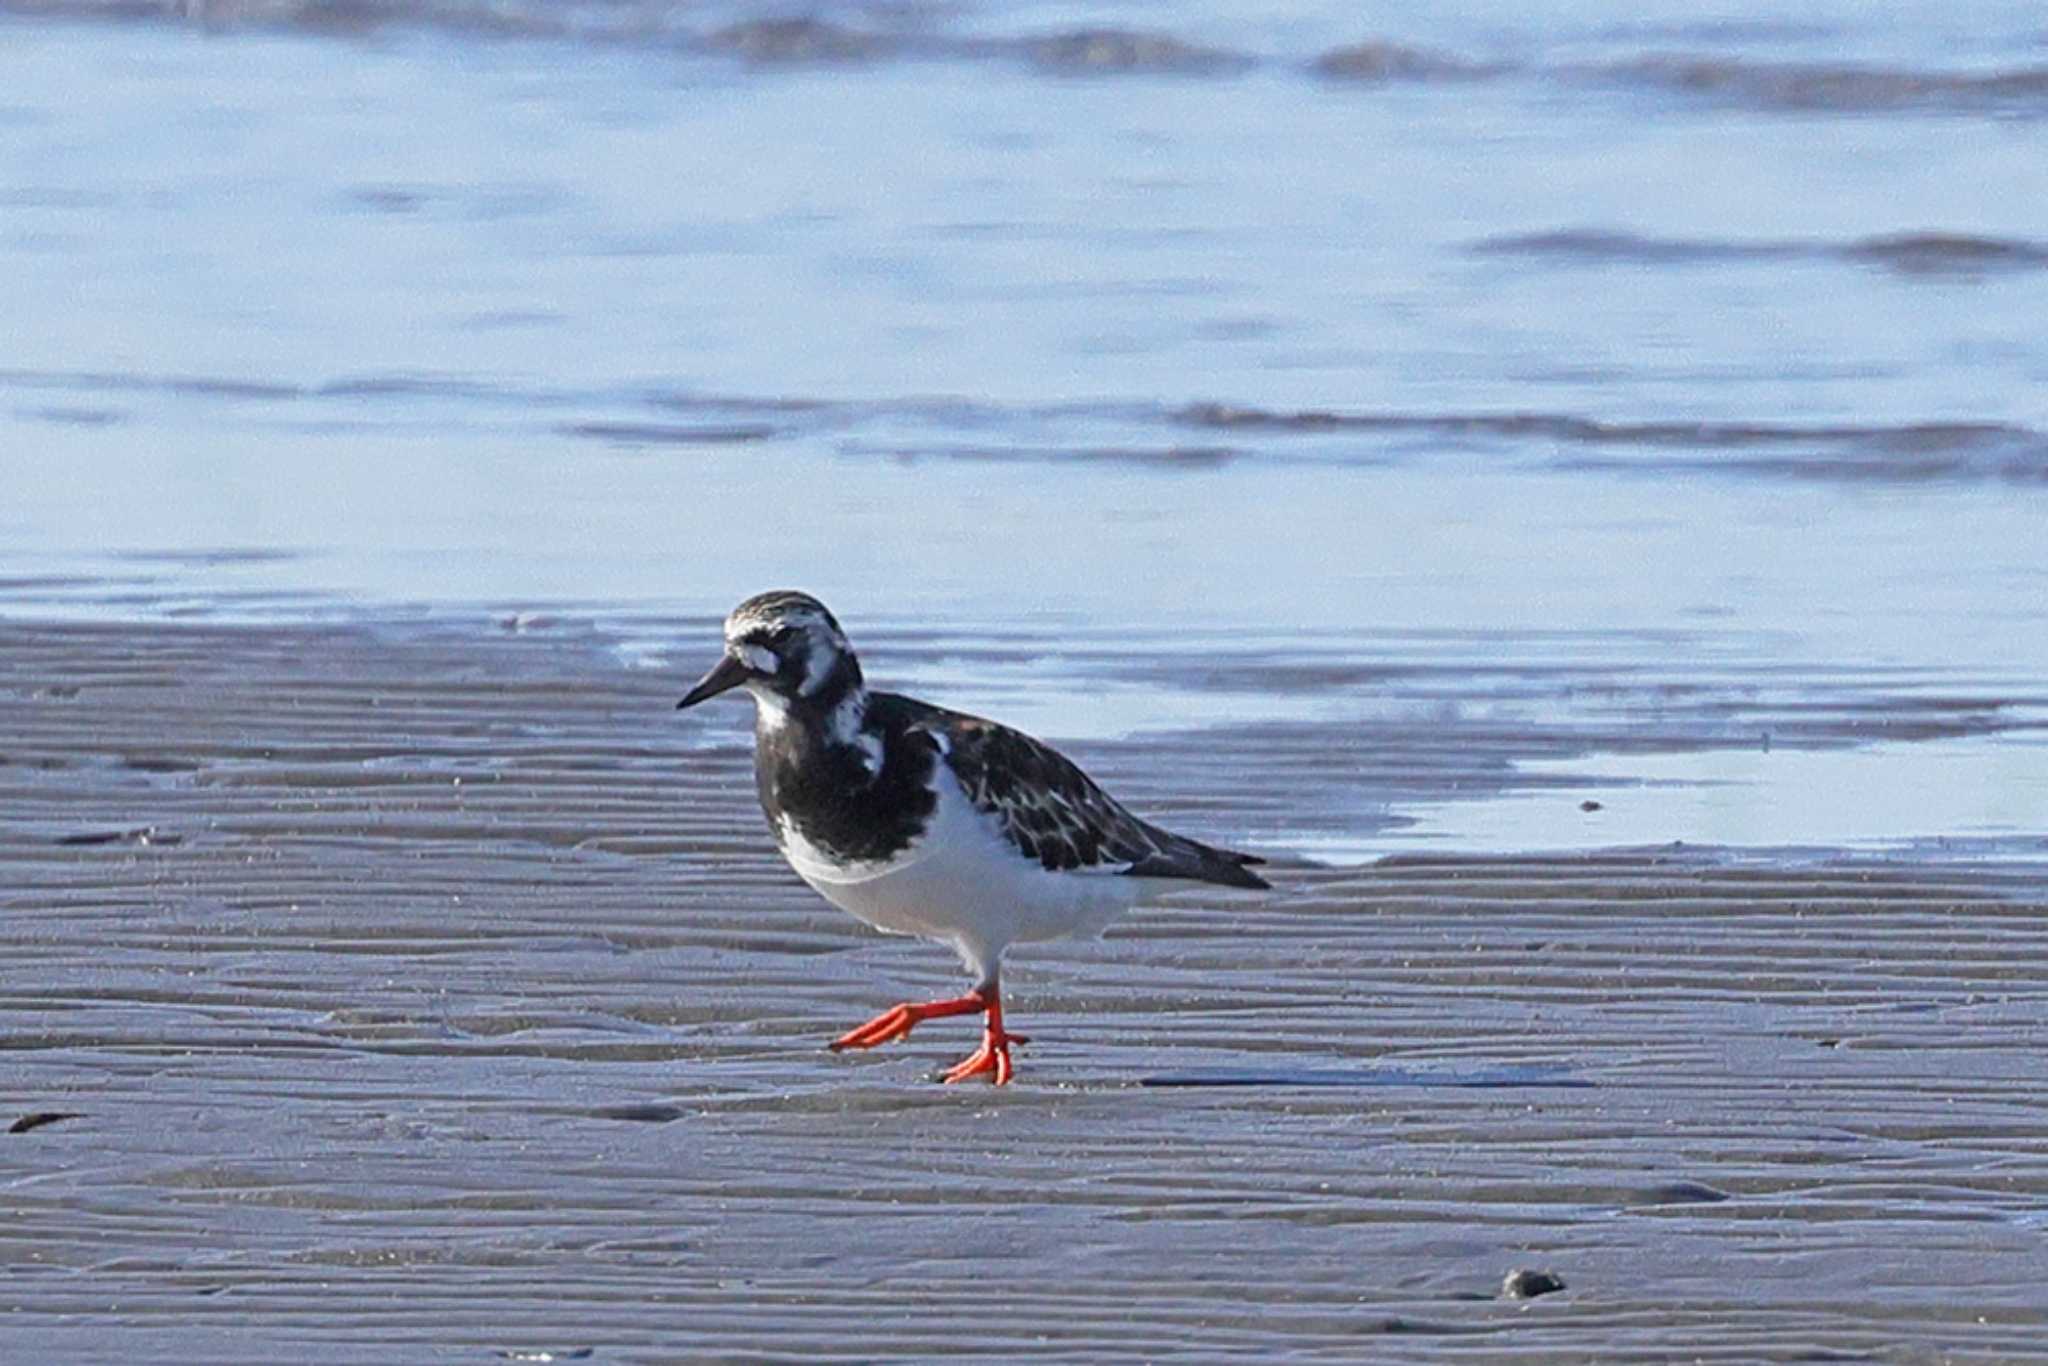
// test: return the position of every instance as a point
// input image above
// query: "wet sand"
(428, 993)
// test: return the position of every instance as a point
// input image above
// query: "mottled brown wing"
(1054, 813)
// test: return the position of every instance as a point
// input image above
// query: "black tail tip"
(1234, 874)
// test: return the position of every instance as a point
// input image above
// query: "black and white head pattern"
(793, 650)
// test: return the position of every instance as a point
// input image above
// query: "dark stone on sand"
(1589, 805)
(41, 1118)
(1524, 1283)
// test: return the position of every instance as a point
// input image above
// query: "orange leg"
(993, 1057)
(897, 1021)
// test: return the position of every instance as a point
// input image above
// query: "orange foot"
(897, 1021)
(992, 1058)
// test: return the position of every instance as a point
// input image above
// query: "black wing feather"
(1055, 813)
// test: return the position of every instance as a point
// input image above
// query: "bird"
(922, 821)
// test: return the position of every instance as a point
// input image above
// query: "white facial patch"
(818, 663)
(846, 726)
(769, 706)
(760, 659)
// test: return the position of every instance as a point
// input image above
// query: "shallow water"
(1626, 330)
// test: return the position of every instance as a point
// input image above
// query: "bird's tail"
(1182, 857)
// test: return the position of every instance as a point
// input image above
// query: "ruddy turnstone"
(918, 820)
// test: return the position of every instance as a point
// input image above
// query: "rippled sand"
(418, 992)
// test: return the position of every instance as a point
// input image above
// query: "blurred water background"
(1659, 376)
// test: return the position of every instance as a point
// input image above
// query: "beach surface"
(432, 991)
(1566, 486)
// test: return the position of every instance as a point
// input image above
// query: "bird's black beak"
(727, 675)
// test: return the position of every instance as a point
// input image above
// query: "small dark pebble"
(1525, 1284)
(1589, 805)
(41, 1118)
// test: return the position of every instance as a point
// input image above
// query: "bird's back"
(1051, 811)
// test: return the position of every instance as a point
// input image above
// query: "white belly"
(963, 883)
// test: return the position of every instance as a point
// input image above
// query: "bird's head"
(785, 649)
